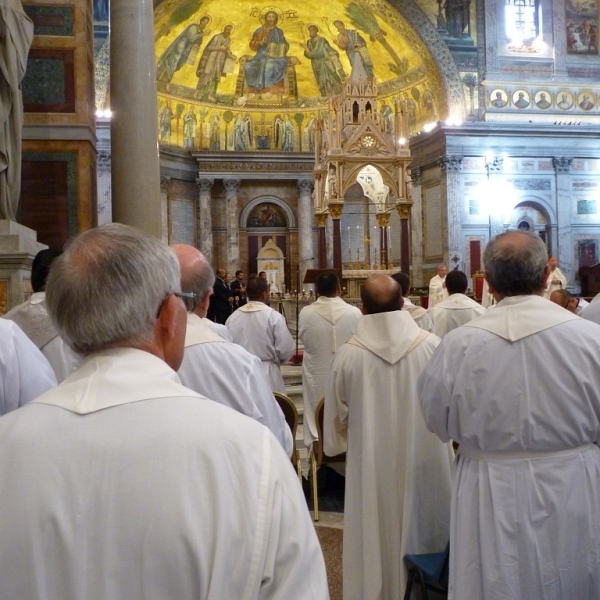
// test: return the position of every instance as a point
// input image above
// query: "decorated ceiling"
(234, 75)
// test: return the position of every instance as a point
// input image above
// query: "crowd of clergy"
(145, 456)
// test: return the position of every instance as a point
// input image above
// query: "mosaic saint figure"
(285, 134)
(165, 118)
(16, 35)
(265, 72)
(356, 48)
(242, 132)
(215, 132)
(212, 62)
(322, 56)
(177, 54)
(189, 128)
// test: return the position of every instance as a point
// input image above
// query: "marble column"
(134, 125)
(564, 203)
(335, 208)
(322, 224)
(416, 275)
(232, 187)
(329, 242)
(404, 214)
(164, 208)
(383, 220)
(451, 166)
(204, 234)
(305, 238)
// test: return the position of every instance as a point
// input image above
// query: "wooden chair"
(430, 571)
(290, 412)
(318, 457)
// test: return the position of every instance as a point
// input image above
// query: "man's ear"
(490, 286)
(169, 331)
(547, 272)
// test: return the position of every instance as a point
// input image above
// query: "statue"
(16, 35)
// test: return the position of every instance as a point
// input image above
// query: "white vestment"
(122, 484)
(519, 389)
(437, 290)
(263, 332)
(418, 313)
(592, 312)
(398, 475)
(556, 281)
(449, 314)
(218, 329)
(24, 372)
(229, 375)
(324, 326)
(33, 318)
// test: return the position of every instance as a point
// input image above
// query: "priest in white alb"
(519, 390)
(398, 475)
(24, 371)
(324, 326)
(218, 369)
(32, 317)
(457, 309)
(121, 483)
(263, 332)
(437, 288)
(556, 280)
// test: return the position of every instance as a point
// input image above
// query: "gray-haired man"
(519, 389)
(122, 483)
(218, 369)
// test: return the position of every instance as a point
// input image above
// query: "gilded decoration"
(249, 76)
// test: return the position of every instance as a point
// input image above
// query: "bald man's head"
(196, 273)
(515, 263)
(380, 294)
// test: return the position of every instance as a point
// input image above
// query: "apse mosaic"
(251, 76)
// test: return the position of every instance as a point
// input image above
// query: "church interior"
(474, 117)
(363, 136)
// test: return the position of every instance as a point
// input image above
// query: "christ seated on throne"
(265, 72)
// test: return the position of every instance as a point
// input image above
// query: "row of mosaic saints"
(264, 79)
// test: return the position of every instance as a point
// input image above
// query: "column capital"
(451, 163)
(416, 175)
(321, 219)
(383, 219)
(335, 209)
(232, 186)
(494, 166)
(305, 186)
(404, 209)
(562, 164)
(164, 183)
(103, 162)
(204, 184)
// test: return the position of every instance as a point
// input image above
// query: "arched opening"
(355, 112)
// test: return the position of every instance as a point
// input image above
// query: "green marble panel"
(586, 207)
(44, 82)
(51, 20)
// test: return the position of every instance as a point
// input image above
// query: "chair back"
(321, 456)
(478, 279)
(441, 573)
(290, 412)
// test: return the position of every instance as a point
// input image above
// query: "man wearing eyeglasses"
(122, 483)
